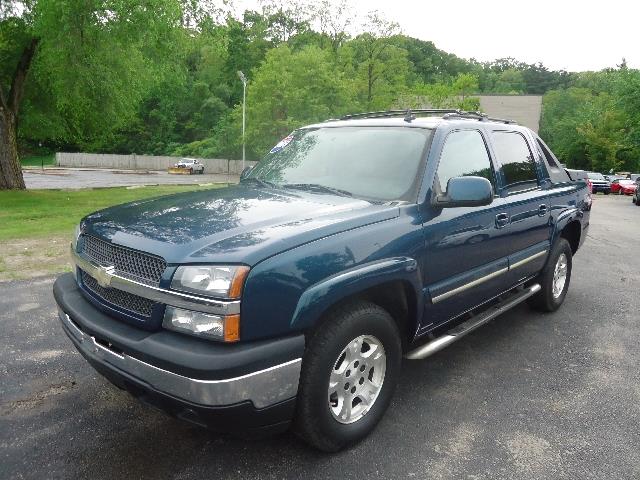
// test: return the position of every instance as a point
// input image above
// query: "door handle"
(502, 220)
(542, 210)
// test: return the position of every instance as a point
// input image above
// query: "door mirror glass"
(466, 192)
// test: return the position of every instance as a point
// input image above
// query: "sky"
(563, 34)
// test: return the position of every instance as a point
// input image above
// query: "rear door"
(528, 228)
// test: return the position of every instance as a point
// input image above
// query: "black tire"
(544, 300)
(638, 200)
(314, 422)
(191, 171)
(606, 192)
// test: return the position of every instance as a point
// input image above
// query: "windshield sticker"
(282, 143)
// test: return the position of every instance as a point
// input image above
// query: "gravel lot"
(84, 178)
(527, 396)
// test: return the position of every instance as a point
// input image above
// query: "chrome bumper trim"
(107, 277)
(263, 388)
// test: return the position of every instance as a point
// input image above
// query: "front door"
(466, 261)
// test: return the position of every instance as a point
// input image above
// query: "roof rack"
(411, 114)
(483, 117)
(399, 113)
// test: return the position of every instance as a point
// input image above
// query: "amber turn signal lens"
(238, 282)
(232, 328)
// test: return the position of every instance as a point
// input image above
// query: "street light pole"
(243, 79)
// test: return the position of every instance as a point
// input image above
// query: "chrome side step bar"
(470, 325)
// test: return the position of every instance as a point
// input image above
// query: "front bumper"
(189, 377)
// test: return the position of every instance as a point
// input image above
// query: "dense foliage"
(161, 77)
(595, 123)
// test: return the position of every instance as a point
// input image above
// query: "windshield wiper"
(314, 187)
(258, 181)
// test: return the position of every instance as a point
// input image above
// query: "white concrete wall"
(142, 162)
(524, 109)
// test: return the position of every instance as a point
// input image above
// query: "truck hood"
(237, 224)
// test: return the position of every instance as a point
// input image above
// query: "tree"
(509, 81)
(286, 19)
(291, 89)
(93, 58)
(381, 67)
(465, 84)
(587, 127)
(334, 19)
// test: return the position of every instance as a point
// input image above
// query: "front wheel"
(349, 373)
(554, 278)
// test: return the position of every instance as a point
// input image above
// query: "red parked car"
(623, 186)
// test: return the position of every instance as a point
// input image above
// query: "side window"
(464, 154)
(516, 159)
(551, 160)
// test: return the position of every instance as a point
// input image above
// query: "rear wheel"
(349, 373)
(554, 278)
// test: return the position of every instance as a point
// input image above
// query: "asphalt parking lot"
(528, 396)
(93, 178)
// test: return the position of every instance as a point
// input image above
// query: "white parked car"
(192, 164)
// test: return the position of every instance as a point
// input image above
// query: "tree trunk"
(10, 169)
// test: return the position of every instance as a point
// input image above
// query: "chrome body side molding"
(469, 285)
(478, 281)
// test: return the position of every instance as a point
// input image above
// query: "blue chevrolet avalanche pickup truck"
(292, 297)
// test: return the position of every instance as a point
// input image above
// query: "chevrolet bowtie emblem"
(103, 275)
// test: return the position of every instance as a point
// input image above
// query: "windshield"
(596, 176)
(370, 162)
(626, 182)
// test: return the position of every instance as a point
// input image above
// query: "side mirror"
(466, 192)
(245, 172)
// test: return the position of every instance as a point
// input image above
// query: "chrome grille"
(128, 301)
(138, 266)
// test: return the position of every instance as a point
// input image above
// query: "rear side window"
(464, 154)
(516, 159)
(547, 154)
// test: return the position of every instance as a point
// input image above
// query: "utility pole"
(243, 79)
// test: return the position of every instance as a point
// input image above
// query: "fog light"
(218, 327)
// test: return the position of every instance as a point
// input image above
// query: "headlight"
(218, 327)
(76, 235)
(213, 281)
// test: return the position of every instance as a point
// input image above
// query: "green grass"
(28, 214)
(38, 160)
